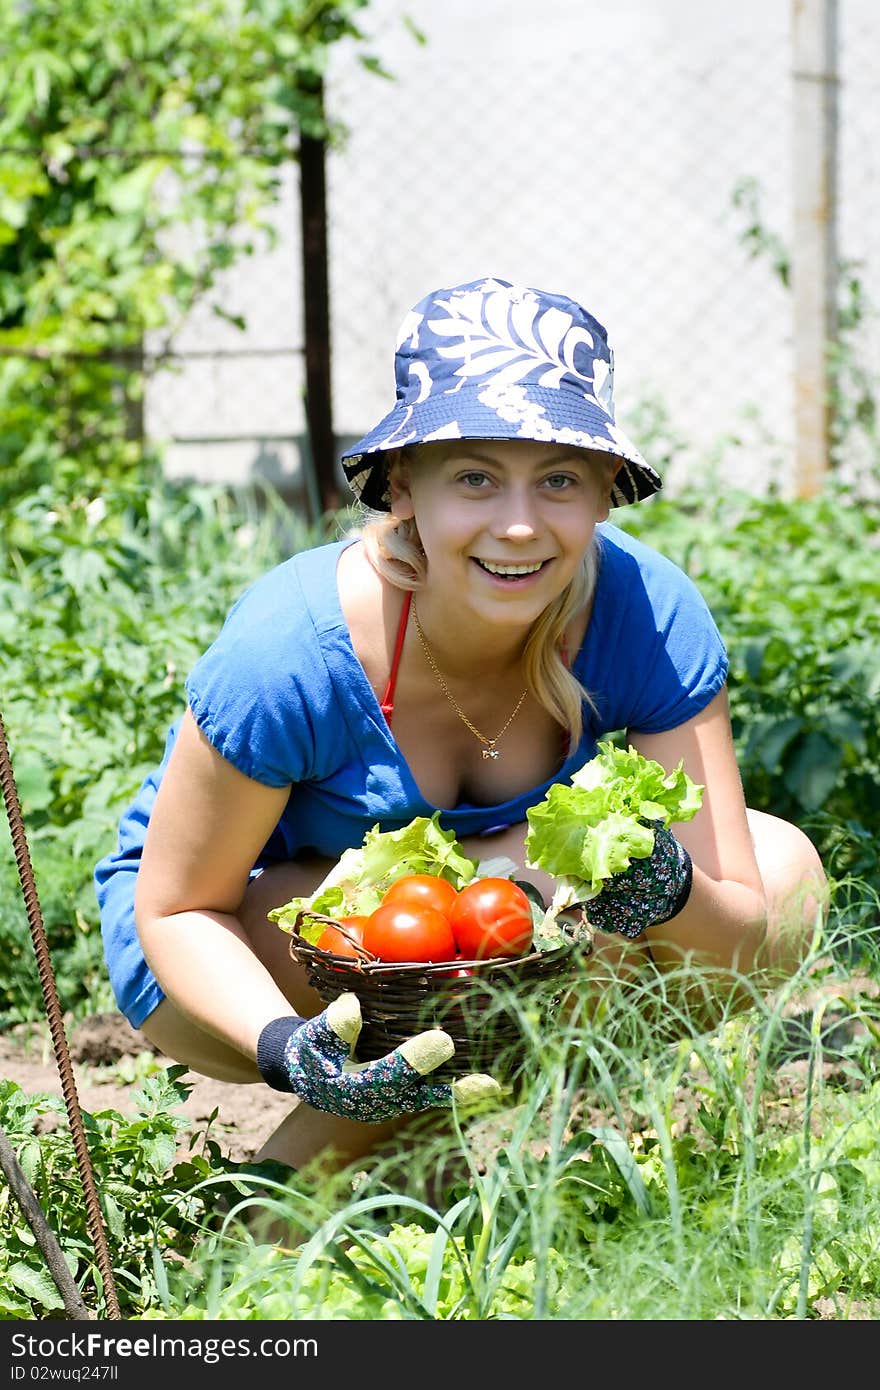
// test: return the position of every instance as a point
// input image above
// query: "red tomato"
(335, 941)
(422, 890)
(492, 917)
(403, 932)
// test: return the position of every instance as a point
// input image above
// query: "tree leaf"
(773, 742)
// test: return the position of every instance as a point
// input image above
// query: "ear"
(398, 486)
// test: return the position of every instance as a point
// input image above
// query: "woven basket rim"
(365, 964)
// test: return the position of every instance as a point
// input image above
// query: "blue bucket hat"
(492, 360)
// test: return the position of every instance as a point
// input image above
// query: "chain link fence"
(618, 154)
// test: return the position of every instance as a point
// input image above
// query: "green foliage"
(105, 603)
(724, 1174)
(151, 1203)
(793, 587)
(140, 152)
(633, 1175)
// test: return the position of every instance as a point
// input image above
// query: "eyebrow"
(477, 456)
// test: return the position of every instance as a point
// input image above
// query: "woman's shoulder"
(656, 656)
(631, 569)
(626, 552)
(262, 691)
(299, 591)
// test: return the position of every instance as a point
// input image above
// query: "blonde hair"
(395, 551)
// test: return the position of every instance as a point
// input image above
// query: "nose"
(516, 517)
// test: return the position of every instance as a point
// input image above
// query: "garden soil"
(106, 1052)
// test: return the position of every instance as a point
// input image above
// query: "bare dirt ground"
(108, 1057)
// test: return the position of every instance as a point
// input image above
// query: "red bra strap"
(387, 702)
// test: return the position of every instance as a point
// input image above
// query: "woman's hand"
(315, 1060)
(651, 891)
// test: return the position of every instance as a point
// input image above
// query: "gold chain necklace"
(489, 751)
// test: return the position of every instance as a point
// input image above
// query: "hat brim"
(552, 416)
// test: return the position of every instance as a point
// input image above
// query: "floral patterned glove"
(649, 892)
(314, 1059)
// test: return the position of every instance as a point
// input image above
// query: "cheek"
(443, 526)
(579, 526)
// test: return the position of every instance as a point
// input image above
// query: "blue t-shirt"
(282, 696)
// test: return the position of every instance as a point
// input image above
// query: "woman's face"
(504, 523)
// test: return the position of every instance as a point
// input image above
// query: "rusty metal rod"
(49, 987)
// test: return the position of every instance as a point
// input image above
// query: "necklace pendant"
(490, 752)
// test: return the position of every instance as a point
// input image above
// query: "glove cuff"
(272, 1048)
(686, 868)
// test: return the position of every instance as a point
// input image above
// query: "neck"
(467, 652)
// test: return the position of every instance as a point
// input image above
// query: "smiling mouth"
(509, 571)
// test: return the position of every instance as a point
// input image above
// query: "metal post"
(322, 487)
(814, 243)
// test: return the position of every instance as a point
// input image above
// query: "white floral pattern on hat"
(492, 360)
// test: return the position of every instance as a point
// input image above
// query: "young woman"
(465, 650)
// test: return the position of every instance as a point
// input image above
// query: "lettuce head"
(584, 833)
(360, 878)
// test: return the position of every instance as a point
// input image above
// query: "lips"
(507, 570)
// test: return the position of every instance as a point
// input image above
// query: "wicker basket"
(478, 1010)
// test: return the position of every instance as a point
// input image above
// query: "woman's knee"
(787, 858)
(175, 1035)
(273, 888)
(796, 888)
(509, 843)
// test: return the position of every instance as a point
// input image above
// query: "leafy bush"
(142, 150)
(793, 588)
(725, 1174)
(150, 1202)
(105, 603)
(635, 1175)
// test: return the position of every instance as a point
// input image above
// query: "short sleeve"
(662, 656)
(260, 690)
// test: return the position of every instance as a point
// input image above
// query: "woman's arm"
(724, 920)
(207, 828)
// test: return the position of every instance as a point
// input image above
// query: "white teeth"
(511, 571)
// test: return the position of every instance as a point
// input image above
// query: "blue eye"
(473, 479)
(558, 481)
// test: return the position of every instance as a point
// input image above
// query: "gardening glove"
(650, 891)
(314, 1059)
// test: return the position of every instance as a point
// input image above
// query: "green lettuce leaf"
(584, 833)
(358, 881)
